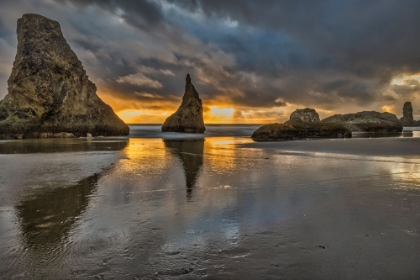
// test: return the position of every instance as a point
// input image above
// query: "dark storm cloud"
(363, 43)
(143, 14)
(322, 54)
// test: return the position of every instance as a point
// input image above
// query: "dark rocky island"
(189, 116)
(303, 123)
(49, 93)
(367, 121)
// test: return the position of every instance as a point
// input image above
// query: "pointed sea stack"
(189, 116)
(49, 93)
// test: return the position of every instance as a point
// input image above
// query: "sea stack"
(307, 115)
(407, 117)
(49, 92)
(189, 116)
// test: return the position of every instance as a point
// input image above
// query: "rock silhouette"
(189, 116)
(304, 115)
(296, 131)
(49, 91)
(303, 123)
(367, 121)
(407, 117)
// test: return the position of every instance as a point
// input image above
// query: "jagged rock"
(302, 130)
(407, 117)
(189, 116)
(48, 89)
(306, 115)
(368, 121)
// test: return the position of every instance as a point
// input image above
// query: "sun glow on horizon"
(142, 116)
(219, 114)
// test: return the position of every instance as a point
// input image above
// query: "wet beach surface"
(214, 208)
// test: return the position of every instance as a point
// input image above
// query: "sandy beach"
(213, 208)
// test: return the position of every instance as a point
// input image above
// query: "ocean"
(215, 206)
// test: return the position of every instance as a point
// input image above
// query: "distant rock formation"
(189, 116)
(302, 130)
(407, 118)
(303, 123)
(407, 113)
(306, 115)
(49, 93)
(368, 121)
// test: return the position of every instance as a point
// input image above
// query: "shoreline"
(386, 146)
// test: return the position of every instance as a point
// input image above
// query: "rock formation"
(303, 123)
(296, 131)
(189, 116)
(368, 121)
(49, 91)
(304, 115)
(407, 117)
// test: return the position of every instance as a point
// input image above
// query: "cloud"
(139, 79)
(263, 57)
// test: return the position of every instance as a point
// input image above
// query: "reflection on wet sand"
(190, 152)
(47, 215)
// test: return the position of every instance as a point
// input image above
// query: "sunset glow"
(255, 75)
(219, 115)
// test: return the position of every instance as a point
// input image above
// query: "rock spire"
(189, 116)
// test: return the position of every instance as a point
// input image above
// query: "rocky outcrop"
(306, 115)
(407, 118)
(296, 131)
(367, 121)
(303, 123)
(407, 113)
(49, 92)
(189, 116)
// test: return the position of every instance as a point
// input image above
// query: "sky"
(250, 61)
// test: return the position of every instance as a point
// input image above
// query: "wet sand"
(214, 208)
(399, 147)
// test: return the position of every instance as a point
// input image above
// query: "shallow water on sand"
(218, 208)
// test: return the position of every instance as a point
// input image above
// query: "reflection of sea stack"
(191, 154)
(48, 89)
(189, 116)
(46, 218)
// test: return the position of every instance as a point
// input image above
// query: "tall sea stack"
(48, 89)
(189, 116)
(407, 117)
